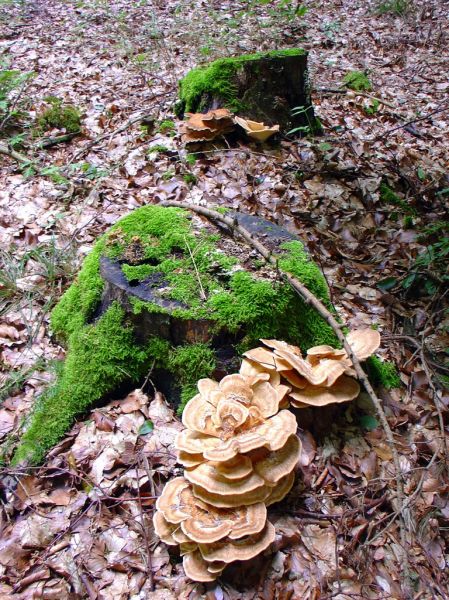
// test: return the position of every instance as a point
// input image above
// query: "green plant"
(12, 103)
(167, 175)
(189, 178)
(158, 148)
(382, 372)
(89, 170)
(358, 81)
(389, 196)
(395, 7)
(15, 379)
(167, 126)
(372, 107)
(429, 269)
(55, 174)
(313, 124)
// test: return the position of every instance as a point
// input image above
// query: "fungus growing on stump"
(325, 376)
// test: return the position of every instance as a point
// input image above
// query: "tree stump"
(262, 87)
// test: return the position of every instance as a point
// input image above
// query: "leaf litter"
(80, 525)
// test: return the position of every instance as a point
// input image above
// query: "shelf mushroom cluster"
(239, 449)
(324, 376)
(205, 127)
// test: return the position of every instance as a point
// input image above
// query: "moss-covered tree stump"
(263, 87)
(169, 292)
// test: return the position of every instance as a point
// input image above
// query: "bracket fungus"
(206, 127)
(325, 376)
(239, 449)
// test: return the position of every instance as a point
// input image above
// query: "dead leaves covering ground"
(75, 528)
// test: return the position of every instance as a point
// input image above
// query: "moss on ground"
(103, 354)
(60, 116)
(215, 79)
(383, 373)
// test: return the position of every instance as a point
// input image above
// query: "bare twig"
(406, 124)
(311, 300)
(202, 292)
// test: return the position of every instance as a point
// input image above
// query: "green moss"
(358, 81)
(383, 373)
(60, 116)
(79, 302)
(216, 79)
(189, 363)
(101, 356)
(167, 126)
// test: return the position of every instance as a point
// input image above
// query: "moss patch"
(60, 116)
(216, 79)
(100, 357)
(383, 373)
(155, 241)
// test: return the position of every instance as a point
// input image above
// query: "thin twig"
(423, 118)
(311, 300)
(202, 292)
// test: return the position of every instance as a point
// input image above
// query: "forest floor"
(369, 199)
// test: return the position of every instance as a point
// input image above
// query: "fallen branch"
(20, 158)
(417, 120)
(48, 142)
(311, 300)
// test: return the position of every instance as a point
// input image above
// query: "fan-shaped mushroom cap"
(233, 501)
(256, 130)
(331, 369)
(295, 379)
(236, 385)
(262, 356)
(216, 114)
(164, 529)
(363, 342)
(202, 522)
(271, 434)
(266, 359)
(236, 468)
(303, 368)
(279, 463)
(193, 442)
(190, 460)
(343, 390)
(197, 569)
(198, 415)
(207, 477)
(171, 503)
(266, 398)
(318, 352)
(229, 415)
(241, 549)
(280, 490)
(280, 345)
(256, 372)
